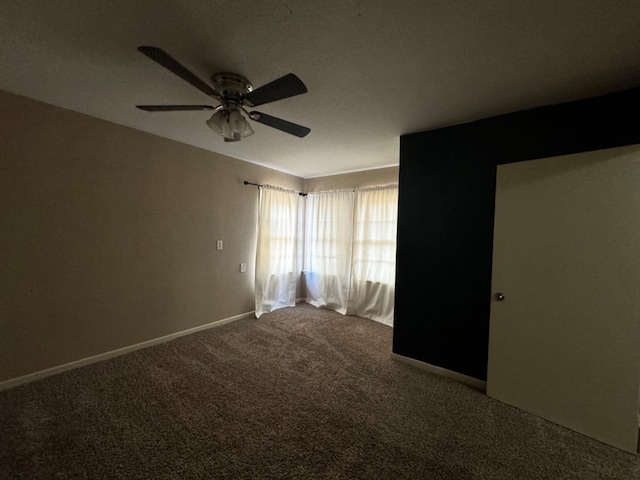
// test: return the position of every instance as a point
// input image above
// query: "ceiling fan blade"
(282, 87)
(174, 108)
(288, 127)
(163, 58)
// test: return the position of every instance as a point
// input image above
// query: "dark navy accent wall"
(445, 217)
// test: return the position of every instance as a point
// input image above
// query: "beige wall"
(107, 235)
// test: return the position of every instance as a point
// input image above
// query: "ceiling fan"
(235, 93)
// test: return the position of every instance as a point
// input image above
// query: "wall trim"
(30, 377)
(443, 372)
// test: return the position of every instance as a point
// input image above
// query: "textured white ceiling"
(375, 69)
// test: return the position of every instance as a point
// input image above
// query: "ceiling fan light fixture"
(230, 124)
(247, 131)
(237, 122)
(218, 121)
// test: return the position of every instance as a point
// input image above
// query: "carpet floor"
(301, 393)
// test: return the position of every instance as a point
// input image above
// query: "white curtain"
(276, 257)
(327, 259)
(350, 247)
(373, 263)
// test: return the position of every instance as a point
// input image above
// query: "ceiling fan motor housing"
(231, 86)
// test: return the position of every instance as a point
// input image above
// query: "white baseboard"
(14, 382)
(472, 382)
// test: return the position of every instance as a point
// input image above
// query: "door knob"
(498, 296)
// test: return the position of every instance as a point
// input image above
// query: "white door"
(564, 342)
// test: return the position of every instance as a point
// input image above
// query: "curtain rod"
(358, 189)
(259, 185)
